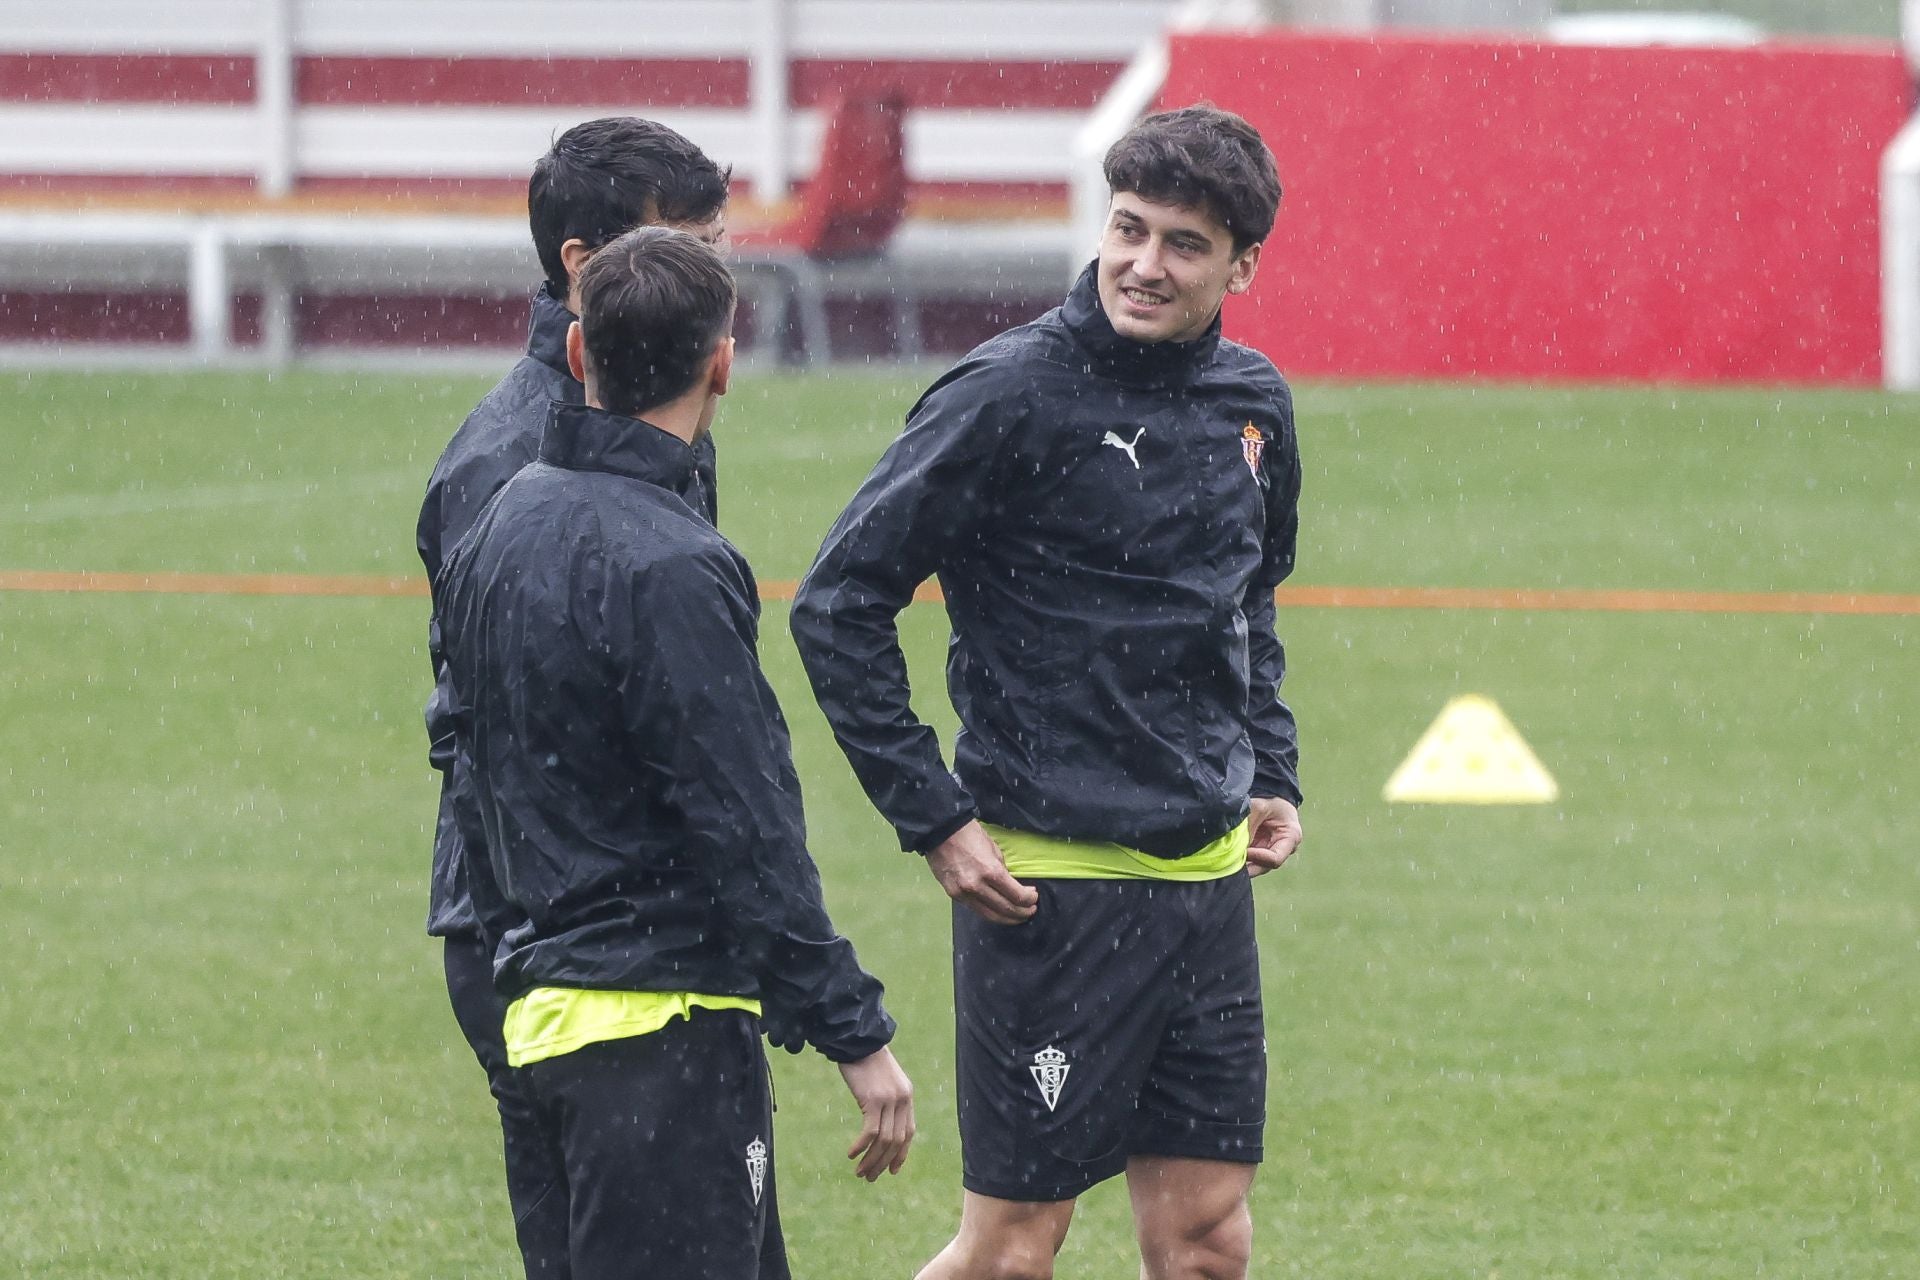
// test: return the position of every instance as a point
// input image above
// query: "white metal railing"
(211, 243)
(768, 95)
(1900, 260)
(1900, 237)
(278, 140)
(278, 131)
(273, 79)
(1022, 29)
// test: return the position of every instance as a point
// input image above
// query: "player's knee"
(1226, 1248)
(997, 1257)
(1016, 1257)
(1214, 1248)
(1018, 1262)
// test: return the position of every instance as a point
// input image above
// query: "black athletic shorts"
(1122, 1020)
(667, 1140)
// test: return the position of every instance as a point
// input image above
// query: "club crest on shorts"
(1050, 1072)
(757, 1166)
(1252, 446)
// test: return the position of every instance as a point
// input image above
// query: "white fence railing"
(276, 139)
(1900, 236)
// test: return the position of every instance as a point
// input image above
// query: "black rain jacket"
(631, 777)
(1108, 521)
(498, 438)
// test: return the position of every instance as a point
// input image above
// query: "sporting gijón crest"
(1252, 446)
(1050, 1072)
(757, 1167)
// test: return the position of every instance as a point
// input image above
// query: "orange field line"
(1596, 601)
(1551, 599)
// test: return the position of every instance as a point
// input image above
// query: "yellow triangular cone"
(1471, 754)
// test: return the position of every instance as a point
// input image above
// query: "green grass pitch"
(1667, 1026)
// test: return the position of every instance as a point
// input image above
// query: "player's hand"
(973, 871)
(885, 1096)
(1273, 834)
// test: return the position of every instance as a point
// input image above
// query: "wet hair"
(608, 176)
(1203, 158)
(654, 304)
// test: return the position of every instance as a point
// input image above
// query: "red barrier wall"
(1516, 210)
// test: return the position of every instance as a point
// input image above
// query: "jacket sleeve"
(921, 508)
(459, 826)
(493, 914)
(1276, 742)
(700, 710)
(464, 481)
(427, 541)
(439, 723)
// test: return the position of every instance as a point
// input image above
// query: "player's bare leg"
(1003, 1240)
(1191, 1216)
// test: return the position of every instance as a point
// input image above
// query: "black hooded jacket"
(631, 777)
(498, 438)
(1108, 521)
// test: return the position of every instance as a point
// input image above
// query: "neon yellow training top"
(549, 1021)
(1035, 857)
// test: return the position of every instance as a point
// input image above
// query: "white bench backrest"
(997, 86)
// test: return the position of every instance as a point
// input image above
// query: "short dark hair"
(653, 306)
(1204, 158)
(611, 175)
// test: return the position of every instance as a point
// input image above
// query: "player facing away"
(599, 179)
(1108, 497)
(633, 788)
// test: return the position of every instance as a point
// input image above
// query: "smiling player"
(1109, 497)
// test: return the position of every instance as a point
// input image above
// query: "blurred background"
(270, 180)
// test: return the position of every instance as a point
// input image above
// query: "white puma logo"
(1126, 446)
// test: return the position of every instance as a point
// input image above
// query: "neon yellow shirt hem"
(549, 1021)
(1036, 857)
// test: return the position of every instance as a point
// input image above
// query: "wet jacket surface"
(1108, 521)
(631, 777)
(499, 437)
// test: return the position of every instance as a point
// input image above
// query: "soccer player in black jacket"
(599, 179)
(1109, 497)
(632, 785)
